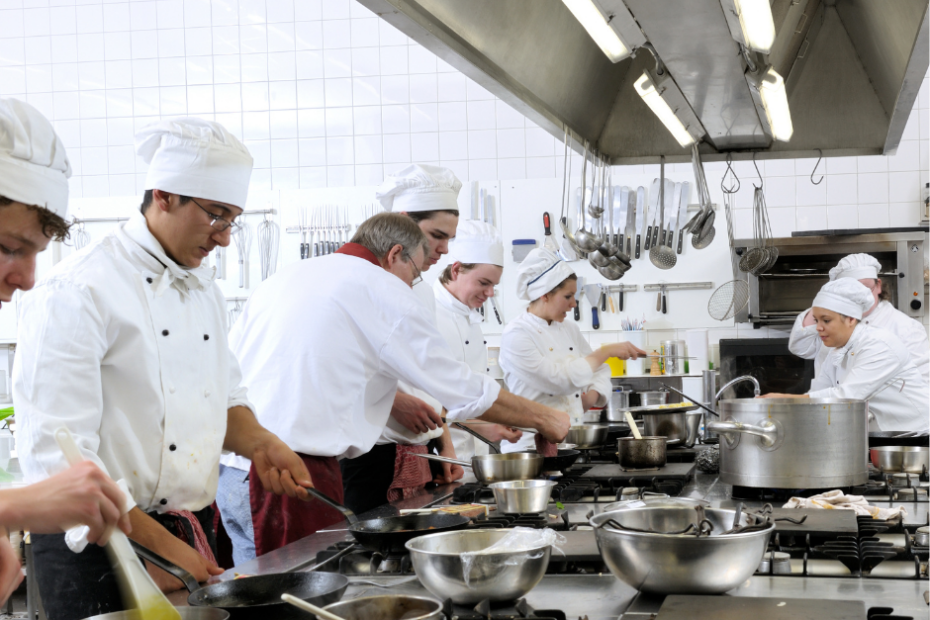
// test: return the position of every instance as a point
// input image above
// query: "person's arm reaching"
(414, 413)
(151, 534)
(280, 469)
(804, 341)
(512, 410)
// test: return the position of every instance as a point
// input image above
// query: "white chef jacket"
(870, 358)
(322, 345)
(805, 342)
(545, 362)
(394, 431)
(129, 351)
(461, 328)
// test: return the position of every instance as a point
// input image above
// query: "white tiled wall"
(326, 94)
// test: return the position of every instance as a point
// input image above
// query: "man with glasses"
(125, 344)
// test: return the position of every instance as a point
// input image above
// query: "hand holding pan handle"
(349, 515)
(190, 582)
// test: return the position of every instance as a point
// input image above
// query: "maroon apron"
(278, 519)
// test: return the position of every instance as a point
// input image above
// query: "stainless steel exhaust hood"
(852, 70)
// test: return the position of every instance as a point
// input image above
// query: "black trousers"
(80, 585)
(366, 479)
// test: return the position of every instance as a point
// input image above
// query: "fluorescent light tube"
(646, 89)
(755, 20)
(590, 17)
(775, 102)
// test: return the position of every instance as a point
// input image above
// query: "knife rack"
(678, 286)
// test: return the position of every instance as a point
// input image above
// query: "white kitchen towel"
(76, 537)
(837, 500)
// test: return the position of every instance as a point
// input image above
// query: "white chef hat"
(34, 167)
(541, 271)
(194, 157)
(857, 267)
(846, 296)
(420, 187)
(477, 242)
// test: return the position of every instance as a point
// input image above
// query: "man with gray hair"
(322, 346)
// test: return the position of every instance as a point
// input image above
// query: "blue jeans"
(232, 497)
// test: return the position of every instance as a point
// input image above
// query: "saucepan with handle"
(497, 467)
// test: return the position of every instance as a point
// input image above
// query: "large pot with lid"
(793, 443)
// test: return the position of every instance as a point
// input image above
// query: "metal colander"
(731, 297)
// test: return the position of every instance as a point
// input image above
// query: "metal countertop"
(603, 597)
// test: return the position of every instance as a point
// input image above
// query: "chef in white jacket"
(477, 263)
(548, 359)
(882, 314)
(34, 171)
(323, 344)
(864, 362)
(125, 344)
(427, 195)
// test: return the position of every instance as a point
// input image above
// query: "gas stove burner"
(472, 493)
(485, 610)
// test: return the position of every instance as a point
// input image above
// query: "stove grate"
(485, 610)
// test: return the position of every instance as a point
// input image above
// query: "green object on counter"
(687, 368)
(6, 413)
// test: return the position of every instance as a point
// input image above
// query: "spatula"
(136, 586)
(313, 609)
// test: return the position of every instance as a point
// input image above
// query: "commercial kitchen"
(658, 350)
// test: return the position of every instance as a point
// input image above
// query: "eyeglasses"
(418, 273)
(218, 222)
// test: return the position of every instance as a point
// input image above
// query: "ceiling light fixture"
(591, 18)
(755, 24)
(775, 101)
(670, 105)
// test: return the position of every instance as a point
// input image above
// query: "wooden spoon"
(632, 423)
(302, 604)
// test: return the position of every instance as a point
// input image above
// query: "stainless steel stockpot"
(680, 427)
(793, 443)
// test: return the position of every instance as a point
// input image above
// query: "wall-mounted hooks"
(732, 189)
(761, 182)
(819, 158)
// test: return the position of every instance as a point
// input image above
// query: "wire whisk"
(243, 239)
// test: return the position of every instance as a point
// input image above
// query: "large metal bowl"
(679, 563)
(522, 496)
(898, 459)
(437, 562)
(587, 435)
(388, 607)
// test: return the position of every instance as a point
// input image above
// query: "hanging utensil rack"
(626, 288)
(677, 286)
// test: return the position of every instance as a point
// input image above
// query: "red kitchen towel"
(545, 447)
(200, 543)
(410, 473)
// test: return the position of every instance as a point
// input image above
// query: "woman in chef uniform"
(547, 359)
(477, 255)
(806, 343)
(864, 362)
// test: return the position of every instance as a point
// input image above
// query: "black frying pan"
(561, 461)
(895, 438)
(390, 534)
(257, 597)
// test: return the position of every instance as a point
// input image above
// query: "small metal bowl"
(388, 607)
(922, 536)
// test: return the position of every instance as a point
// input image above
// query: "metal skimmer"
(661, 255)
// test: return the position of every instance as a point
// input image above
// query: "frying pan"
(390, 534)
(258, 597)
(560, 462)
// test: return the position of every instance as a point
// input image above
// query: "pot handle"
(767, 431)
(443, 459)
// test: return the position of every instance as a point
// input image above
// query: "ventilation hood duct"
(852, 70)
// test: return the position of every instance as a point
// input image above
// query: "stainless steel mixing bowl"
(679, 563)
(438, 564)
(522, 496)
(587, 435)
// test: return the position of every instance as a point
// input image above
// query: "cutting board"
(691, 607)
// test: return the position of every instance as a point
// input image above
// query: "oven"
(804, 263)
(768, 360)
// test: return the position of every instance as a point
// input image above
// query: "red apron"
(410, 473)
(278, 519)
